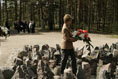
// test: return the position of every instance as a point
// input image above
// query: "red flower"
(78, 33)
(86, 35)
(85, 31)
(80, 30)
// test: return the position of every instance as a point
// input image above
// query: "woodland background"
(97, 16)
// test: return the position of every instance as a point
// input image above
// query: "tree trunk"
(98, 15)
(6, 11)
(3, 13)
(16, 7)
(75, 11)
(31, 12)
(89, 15)
(104, 15)
(0, 13)
(20, 11)
(79, 11)
(42, 18)
(51, 15)
(39, 14)
(68, 7)
(60, 14)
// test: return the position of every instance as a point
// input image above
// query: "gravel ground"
(16, 42)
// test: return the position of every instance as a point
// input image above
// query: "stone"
(52, 51)
(79, 52)
(104, 70)
(112, 48)
(117, 45)
(30, 73)
(106, 46)
(22, 53)
(58, 48)
(80, 72)
(40, 69)
(115, 53)
(26, 48)
(48, 74)
(44, 70)
(116, 73)
(57, 57)
(86, 57)
(28, 62)
(93, 65)
(68, 74)
(18, 61)
(36, 55)
(45, 53)
(79, 61)
(95, 53)
(7, 72)
(87, 69)
(37, 47)
(52, 63)
(57, 77)
(19, 73)
(1, 75)
(45, 47)
(106, 56)
(57, 70)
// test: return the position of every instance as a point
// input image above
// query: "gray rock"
(117, 45)
(45, 47)
(57, 70)
(7, 72)
(57, 57)
(52, 51)
(115, 53)
(116, 75)
(106, 46)
(80, 73)
(30, 73)
(95, 53)
(26, 47)
(112, 48)
(68, 74)
(58, 47)
(18, 61)
(19, 73)
(103, 72)
(44, 71)
(79, 52)
(40, 69)
(37, 47)
(46, 53)
(22, 53)
(87, 69)
(52, 63)
(1, 75)
(57, 77)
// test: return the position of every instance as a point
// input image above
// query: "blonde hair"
(67, 18)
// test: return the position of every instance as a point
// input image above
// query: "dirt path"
(16, 42)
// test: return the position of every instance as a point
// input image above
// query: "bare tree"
(20, 10)
(0, 13)
(16, 9)
(6, 11)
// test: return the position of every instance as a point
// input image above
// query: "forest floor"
(17, 41)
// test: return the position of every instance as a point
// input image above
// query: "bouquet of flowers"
(82, 35)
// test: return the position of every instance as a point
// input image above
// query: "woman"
(67, 44)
